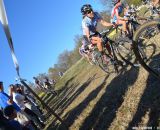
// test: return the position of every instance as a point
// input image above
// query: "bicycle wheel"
(148, 37)
(125, 51)
(106, 66)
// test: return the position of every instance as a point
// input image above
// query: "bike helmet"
(115, 1)
(86, 8)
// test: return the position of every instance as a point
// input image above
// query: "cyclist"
(47, 83)
(48, 86)
(89, 24)
(116, 18)
(38, 83)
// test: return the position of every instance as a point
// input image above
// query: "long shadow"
(64, 98)
(72, 115)
(60, 91)
(50, 97)
(63, 106)
(56, 102)
(104, 112)
(61, 103)
(75, 94)
(58, 99)
(149, 103)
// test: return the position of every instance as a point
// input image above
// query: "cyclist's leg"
(85, 43)
(98, 41)
(85, 49)
(124, 25)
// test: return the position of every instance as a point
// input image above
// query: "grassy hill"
(89, 99)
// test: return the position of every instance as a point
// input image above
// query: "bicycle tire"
(148, 62)
(107, 67)
(125, 51)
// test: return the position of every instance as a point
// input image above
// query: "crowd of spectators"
(19, 110)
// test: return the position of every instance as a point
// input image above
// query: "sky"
(40, 30)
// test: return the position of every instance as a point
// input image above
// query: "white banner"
(4, 21)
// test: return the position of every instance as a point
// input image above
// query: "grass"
(41, 94)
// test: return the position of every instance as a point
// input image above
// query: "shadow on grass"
(61, 91)
(74, 95)
(63, 99)
(149, 104)
(69, 98)
(56, 99)
(72, 115)
(104, 112)
(105, 109)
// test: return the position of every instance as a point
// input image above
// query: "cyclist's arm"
(87, 32)
(104, 23)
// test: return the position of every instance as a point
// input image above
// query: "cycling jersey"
(91, 23)
(116, 9)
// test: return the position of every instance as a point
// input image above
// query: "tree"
(66, 59)
(108, 4)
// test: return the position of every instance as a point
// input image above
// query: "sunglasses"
(88, 12)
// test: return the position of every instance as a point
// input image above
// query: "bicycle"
(134, 20)
(118, 51)
(147, 36)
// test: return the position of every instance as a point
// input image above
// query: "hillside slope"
(89, 99)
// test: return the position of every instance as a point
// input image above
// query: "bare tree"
(107, 4)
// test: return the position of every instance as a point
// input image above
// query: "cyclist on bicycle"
(38, 83)
(117, 10)
(89, 24)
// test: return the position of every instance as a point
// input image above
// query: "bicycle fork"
(113, 58)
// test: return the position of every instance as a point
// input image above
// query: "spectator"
(6, 100)
(11, 114)
(20, 100)
(4, 123)
(29, 104)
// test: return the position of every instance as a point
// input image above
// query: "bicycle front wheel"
(106, 66)
(124, 49)
(148, 38)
